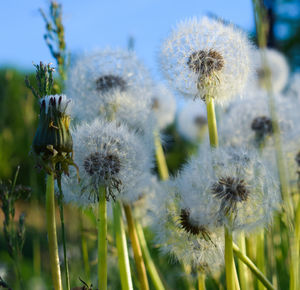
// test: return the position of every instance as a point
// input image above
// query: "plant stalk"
(212, 123)
(51, 230)
(137, 252)
(201, 280)
(160, 158)
(124, 266)
(229, 261)
(153, 273)
(259, 275)
(102, 240)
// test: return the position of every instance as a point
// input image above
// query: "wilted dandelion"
(207, 59)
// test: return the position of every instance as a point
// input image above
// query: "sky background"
(93, 24)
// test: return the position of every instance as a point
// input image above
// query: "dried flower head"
(107, 155)
(207, 59)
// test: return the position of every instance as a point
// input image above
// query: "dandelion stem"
(102, 240)
(137, 252)
(212, 123)
(62, 221)
(260, 255)
(259, 275)
(243, 271)
(51, 230)
(229, 261)
(124, 266)
(84, 248)
(201, 280)
(160, 158)
(148, 259)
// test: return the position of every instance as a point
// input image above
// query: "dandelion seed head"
(108, 155)
(206, 58)
(262, 125)
(271, 65)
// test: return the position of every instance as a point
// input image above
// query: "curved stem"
(102, 240)
(259, 275)
(51, 230)
(260, 260)
(122, 248)
(160, 158)
(148, 260)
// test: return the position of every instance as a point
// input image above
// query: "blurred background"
(93, 24)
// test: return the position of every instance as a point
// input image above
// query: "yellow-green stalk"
(51, 231)
(153, 273)
(123, 258)
(137, 252)
(160, 158)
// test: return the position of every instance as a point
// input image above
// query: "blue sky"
(93, 24)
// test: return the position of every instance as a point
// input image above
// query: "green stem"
(62, 221)
(148, 259)
(229, 261)
(259, 275)
(36, 256)
(160, 158)
(102, 240)
(260, 255)
(122, 248)
(212, 123)
(201, 280)
(84, 248)
(243, 271)
(51, 230)
(137, 252)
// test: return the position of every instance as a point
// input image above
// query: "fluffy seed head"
(207, 59)
(108, 155)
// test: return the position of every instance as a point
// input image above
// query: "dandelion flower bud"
(53, 141)
(207, 59)
(107, 155)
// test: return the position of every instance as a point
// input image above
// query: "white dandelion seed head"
(108, 155)
(188, 242)
(163, 106)
(204, 57)
(192, 121)
(229, 181)
(113, 84)
(60, 102)
(294, 87)
(271, 64)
